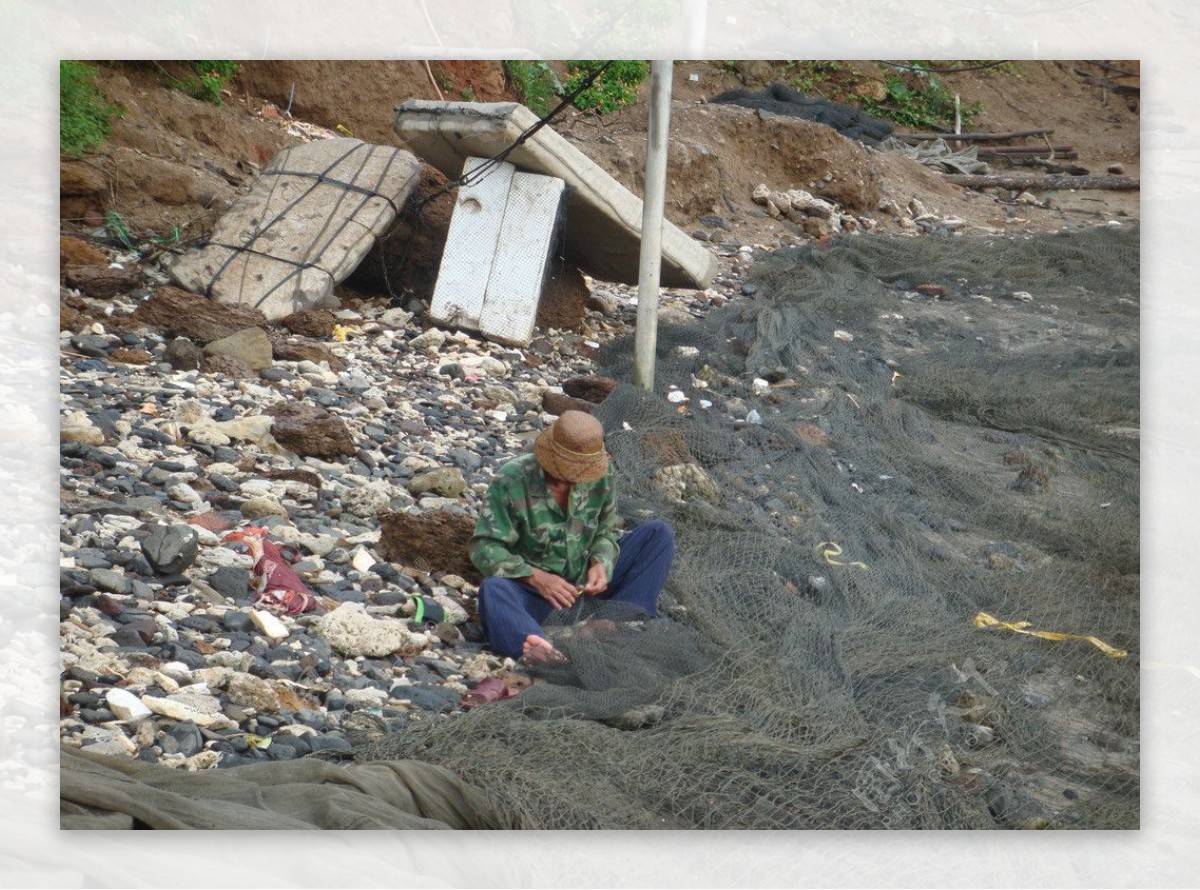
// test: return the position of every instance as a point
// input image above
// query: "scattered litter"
(984, 620)
(278, 586)
(830, 551)
(271, 627)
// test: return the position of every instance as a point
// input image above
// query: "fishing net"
(899, 463)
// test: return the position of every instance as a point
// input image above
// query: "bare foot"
(538, 650)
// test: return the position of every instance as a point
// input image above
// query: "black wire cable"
(483, 170)
(493, 162)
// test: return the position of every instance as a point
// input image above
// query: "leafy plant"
(613, 89)
(84, 113)
(211, 78)
(917, 98)
(833, 80)
(443, 80)
(541, 89)
(537, 85)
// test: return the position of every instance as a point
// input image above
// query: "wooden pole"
(646, 335)
(972, 137)
(1036, 181)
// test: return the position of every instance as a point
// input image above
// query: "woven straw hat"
(572, 448)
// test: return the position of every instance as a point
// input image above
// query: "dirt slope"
(173, 161)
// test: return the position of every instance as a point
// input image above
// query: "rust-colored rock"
(310, 322)
(183, 314)
(68, 317)
(557, 402)
(301, 349)
(666, 448)
(592, 389)
(211, 521)
(310, 430)
(131, 356)
(77, 252)
(435, 541)
(101, 282)
(1017, 457)
(811, 434)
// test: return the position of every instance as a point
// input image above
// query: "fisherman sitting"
(548, 534)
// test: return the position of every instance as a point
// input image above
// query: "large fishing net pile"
(896, 453)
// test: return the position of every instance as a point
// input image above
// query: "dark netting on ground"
(905, 438)
(779, 98)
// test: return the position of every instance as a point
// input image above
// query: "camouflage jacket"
(521, 525)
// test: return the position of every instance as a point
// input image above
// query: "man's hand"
(555, 590)
(596, 581)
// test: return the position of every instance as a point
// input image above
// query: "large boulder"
(201, 320)
(102, 282)
(250, 346)
(351, 631)
(302, 349)
(434, 541)
(305, 225)
(170, 548)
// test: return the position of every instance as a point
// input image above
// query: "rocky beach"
(361, 442)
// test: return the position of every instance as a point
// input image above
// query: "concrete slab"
(603, 219)
(306, 223)
(497, 251)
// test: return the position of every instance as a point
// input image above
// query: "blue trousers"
(511, 609)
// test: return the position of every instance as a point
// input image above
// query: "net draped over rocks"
(939, 428)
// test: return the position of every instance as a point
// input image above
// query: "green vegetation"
(210, 79)
(201, 79)
(615, 88)
(536, 84)
(84, 113)
(831, 80)
(917, 98)
(540, 88)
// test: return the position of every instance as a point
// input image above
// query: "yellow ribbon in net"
(830, 550)
(983, 619)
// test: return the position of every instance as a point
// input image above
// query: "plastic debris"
(278, 587)
(984, 620)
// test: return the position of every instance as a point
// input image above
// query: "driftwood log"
(1027, 181)
(1122, 89)
(1059, 150)
(971, 137)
